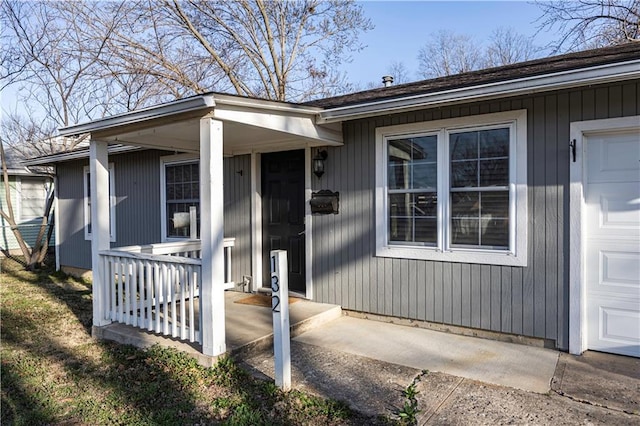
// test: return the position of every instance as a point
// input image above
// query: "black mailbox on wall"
(325, 202)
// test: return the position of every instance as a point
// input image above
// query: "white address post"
(280, 309)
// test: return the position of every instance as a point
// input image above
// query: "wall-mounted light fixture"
(318, 162)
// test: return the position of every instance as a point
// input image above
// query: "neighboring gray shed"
(28, 197)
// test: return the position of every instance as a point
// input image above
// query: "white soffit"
(287, 119)
(282, 122)
(167, 126)
(522, 86)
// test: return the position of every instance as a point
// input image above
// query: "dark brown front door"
(283, 213)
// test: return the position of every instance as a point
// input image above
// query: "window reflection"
(479, 167)
(182, 182)
(412, 182)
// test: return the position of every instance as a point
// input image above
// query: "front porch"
(248, 327)
(180, 294)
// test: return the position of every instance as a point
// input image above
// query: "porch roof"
(249, 125)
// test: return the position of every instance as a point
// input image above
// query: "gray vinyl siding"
(237, 213)
(532, 300)
(73, 249)
(137, 187)
(138, 208)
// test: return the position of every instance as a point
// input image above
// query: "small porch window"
(180, 191)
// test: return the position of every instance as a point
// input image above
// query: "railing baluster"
(149, 294)
(133, 286)
(198, 283)
(112, 287)
(183, 312)
(156, 296)
(140, 294)
(191, 304)
(127, 290)
(174, 308)
(121, 288)
(166, 285)
(148, 284)
(142, 291)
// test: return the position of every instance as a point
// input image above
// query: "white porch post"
(100, 240)
(212, 237)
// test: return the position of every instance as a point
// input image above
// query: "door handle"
(300, 233)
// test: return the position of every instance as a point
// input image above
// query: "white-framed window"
(87, 203)
(453, 190)
(179, 190)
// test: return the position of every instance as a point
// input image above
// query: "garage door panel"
(613, 208)
(612, 237)
(614, 158)
(618, 326)
(614, 268)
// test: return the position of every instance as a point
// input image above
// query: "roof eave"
(75, 155)
(527, 85)
(156, 112)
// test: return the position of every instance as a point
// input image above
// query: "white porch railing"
(156, 287)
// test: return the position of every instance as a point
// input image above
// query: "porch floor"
(248, 327)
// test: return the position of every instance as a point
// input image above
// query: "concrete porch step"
(249, 328)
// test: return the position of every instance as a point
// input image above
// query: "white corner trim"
(56, 218)
(112, 203)
(308, 225)
(577, 232)
(256, 222)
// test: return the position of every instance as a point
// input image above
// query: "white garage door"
(612, 193)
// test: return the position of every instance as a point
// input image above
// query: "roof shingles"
(554, 64)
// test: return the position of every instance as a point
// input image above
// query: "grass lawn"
(53, 372)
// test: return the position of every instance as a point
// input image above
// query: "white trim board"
(256, 221)
(577, 285)
(56, 219)
(113, 200)
(308, 225)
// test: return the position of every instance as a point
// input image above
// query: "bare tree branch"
(583, 24)
(448, 53)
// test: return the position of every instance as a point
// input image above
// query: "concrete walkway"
(518, 366)
(367, 364)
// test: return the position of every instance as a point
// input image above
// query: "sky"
(403, 27)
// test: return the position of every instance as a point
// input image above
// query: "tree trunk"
(33, 257)
(41, 246)
(9, 217)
